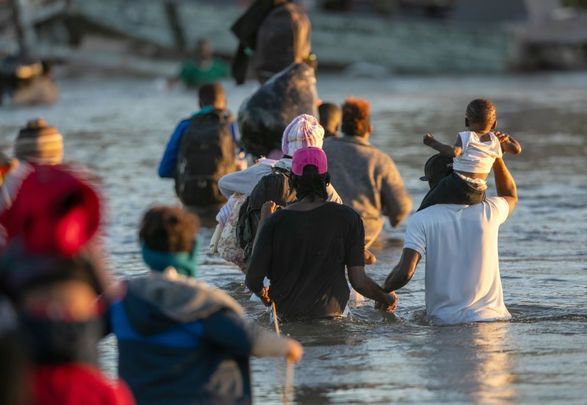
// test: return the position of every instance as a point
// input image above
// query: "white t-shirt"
(477, 156)
(462, 262)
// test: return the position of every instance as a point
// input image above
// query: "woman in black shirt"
(304, 249)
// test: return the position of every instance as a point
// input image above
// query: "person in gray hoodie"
(366, 178)
(181, 341)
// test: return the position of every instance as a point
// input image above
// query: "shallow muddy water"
(118, 126)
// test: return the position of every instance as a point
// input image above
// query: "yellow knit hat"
(40, 143)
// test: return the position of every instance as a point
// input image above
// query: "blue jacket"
(169, 159)
(181, 342)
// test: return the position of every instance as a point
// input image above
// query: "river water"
(118, 126)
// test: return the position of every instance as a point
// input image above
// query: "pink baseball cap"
(309, 156)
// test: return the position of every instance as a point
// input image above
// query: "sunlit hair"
(169, 229)
(330, 115)
(356, 116)
(481, 112)
(209, 94)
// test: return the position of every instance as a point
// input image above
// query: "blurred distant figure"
(27, 83)
(37, 143)
(41, 90)
(204, 68)
(330, 119)
(6, 165)
(52, 272)
(277, 31)
(283, 38)
(201, 150)
(181, 341)
(15, 389)
(365, 177)
(337, 5)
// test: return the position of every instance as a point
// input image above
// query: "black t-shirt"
(304, 254)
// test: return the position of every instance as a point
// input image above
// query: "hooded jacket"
(182, 342)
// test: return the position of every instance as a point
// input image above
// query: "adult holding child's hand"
(391, 303)
(305, 248)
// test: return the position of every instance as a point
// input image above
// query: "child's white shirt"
(477, 156)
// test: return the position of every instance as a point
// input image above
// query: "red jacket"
(75, 384)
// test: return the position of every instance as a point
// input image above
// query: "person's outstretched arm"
(509, 144)
(505, 184)
(444, 149)
(369, 288)
(403, 271)
(244, 338)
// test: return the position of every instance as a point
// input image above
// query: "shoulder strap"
(280, 170)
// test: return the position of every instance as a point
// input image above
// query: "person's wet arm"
(364, 285)
(505, 184)
(260, 262)
(355, 263)
(403, 271)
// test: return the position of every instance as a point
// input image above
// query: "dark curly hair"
(311, 184)
(356, 116)
(169, 229)
(481, 112)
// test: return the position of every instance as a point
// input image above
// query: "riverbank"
(524, 36)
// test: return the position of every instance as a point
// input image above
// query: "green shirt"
(193, 75)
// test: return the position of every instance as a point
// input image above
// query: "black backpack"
(207, 153)
(274, 187)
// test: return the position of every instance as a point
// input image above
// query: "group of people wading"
(298, 222)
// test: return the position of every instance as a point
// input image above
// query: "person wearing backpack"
(279, 33)
(269, 180)
(304, 130)
(181, 341)
(305, 248)
(200, 151)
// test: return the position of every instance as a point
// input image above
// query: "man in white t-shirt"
(460, 242)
